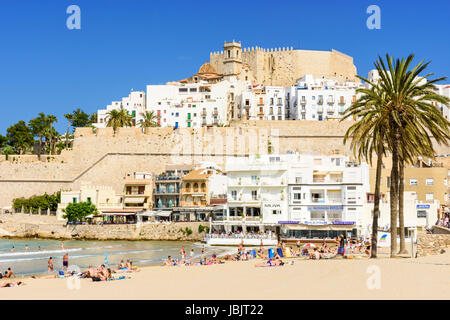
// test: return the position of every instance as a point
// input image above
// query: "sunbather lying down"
(270, 263)
(10, 284)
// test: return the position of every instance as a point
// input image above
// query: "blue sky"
(44, 67)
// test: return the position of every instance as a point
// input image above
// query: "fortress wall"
(283, 66)
(103, 159)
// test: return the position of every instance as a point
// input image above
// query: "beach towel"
(280, 252)
(253, 253)
(271, 254)
(288, 253)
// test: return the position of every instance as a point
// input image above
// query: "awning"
(163, 213)
(118, 213)
(319, 227)
(134, 200)
(147, 213)
(336, 172)
(320, 173)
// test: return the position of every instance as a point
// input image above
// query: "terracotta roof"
(197, 175)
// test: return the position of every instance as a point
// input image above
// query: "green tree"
(410, 121)
(7, 150)
(368, 138)
(20, 136)
(79, 211)
(69, 117)
(50, 133)
(118, 118)
(37, 126)
(93, 117)
(149, 120)
(80, 119)
(3, 141)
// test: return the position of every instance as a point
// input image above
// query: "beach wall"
(432, 244)
(28, 226)
(100, 157)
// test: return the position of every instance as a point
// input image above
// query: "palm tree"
(412, 119)
(37, 127)
(149, 119)
(117, 118)
(69, 117)
(368, 137)
(51, 133)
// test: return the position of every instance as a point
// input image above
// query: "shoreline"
(306, 279)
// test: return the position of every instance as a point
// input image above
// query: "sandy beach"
(402, 278)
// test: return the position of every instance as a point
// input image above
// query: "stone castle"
(280, 66)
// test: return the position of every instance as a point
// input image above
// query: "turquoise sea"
(83, 253)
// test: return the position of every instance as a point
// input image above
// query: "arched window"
(188, 187)
(203, 187)
(196, 187)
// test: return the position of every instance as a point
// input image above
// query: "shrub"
(79, 211)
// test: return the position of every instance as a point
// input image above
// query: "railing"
(318, 200)
(172, 178)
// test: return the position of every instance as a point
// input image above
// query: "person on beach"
(129, 267)
(270, 263)
(168, 262)
(66, 261)
(10, 284)
(183, 254)
(62, 245)
(122, 265)
(315, 255)
(26, 248)
(341, 241)
(50, 265)
(191, 256)
(9, 273)
(39, 248)
(12, 249)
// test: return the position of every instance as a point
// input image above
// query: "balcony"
(318, 200)
(320, 102)
(203, 113)
(168, 178)
(303, 102)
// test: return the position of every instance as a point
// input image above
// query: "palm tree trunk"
(394, 194)
(376, 207)
(401, 218)
(40, 147)
(67, 134)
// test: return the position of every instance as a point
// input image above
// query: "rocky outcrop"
(432, 244)
(48, 227)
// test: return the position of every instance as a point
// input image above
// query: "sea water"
(84, 253)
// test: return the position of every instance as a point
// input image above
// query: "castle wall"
(102, 158)
(284, 66)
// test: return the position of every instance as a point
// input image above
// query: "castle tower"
(232, 62)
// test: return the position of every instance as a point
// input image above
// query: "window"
(89, 199)
(421, 213)
(429, 181)
(74, 200)
(254, 179)
(182, 90)
(234, 194)
(429, 196)
(413, 182)
(276, 211)
(297, 196)
(254, 195)
(193, 90)
(298, 179)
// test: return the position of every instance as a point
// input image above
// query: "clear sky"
(44, 67)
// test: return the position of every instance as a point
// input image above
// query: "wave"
(43, 252)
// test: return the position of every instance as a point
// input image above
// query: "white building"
(319, 99)
(256, 194)
(262, 103)
(443, 90)
(326, 196)
(134, 104)
(191, 105)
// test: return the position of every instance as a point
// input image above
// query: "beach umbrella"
(309, 245)
(106, 258)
